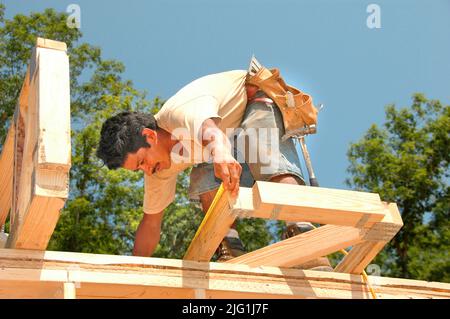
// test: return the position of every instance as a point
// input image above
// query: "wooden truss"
(356, 219)
(34, 178)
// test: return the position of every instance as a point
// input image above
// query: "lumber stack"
(35, 274)
(35, 159)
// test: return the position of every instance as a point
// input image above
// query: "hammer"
(300, 135)
(312, 177)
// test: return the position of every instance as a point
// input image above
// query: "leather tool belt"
(296, 107)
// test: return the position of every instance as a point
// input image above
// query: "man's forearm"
(147, 236)
(215, 141)
(225, 165)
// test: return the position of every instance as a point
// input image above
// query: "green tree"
(104, 207)
(407, 162)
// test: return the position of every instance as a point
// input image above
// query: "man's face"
(149, 159)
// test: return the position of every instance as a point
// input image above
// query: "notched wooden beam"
(42, 147)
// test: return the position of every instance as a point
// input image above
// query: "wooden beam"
(100, 276)
(376, 238)
(299, 249)
(212, 230)
(311, 204)
(42, 150)
(6, 174)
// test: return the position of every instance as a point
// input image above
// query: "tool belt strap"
(262, 99)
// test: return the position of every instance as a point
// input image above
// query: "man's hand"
(225, 165)
(229, 171)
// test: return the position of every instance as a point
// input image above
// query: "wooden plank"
(109, 276)
(311, 204)
(212, 230)
(376, 238)
(6, 174)
(42, 152)
(299, 249)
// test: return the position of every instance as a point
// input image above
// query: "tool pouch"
(296, 106)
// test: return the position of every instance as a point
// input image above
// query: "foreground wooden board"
(45, 274)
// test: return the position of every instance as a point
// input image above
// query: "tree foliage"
(407, 162)
(104, 207)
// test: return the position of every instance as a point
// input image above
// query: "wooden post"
(42, 148)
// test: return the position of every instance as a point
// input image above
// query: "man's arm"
(225, 165)
(147, 235)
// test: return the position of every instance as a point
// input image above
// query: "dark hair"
(122, 134)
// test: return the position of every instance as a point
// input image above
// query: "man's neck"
(166, 139)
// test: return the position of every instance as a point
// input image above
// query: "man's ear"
(151, 137)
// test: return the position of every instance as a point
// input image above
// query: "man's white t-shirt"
(221, 96)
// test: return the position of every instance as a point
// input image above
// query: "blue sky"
(322, 47)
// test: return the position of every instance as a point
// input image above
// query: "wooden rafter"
(299, 249)
(213, 228)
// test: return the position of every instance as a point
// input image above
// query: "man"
(197, 126)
